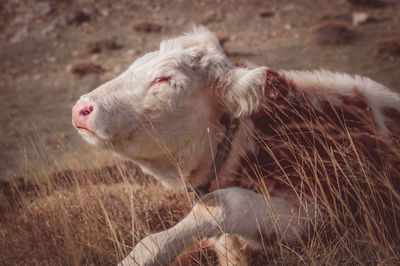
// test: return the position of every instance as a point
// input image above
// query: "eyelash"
(162, 79)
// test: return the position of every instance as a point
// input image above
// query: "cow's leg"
(226, 211)
(227, 248)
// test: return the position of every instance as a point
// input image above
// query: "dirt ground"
(43, 45)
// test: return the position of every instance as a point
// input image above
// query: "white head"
(162, 105)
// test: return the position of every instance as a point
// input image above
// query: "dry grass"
(96, 216)
(352, 171)
(83, 217)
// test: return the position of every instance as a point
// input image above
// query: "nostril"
(86, 111)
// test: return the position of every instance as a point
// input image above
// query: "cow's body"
(306, 114)
(299, 135)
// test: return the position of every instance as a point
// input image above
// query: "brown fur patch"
(276, 87)
(297, 139)
(392, 120)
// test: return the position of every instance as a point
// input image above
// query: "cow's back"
(322, 141)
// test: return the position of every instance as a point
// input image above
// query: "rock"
(360, 18)
(147, 27)
(368, 3)
(266, 13)
(97, 46)
(332, 33)
(73, 17)
(84, 68)
(104, 12)
(388, 46)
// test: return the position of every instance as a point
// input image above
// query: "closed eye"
(162, 80)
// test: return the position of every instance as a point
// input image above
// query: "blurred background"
(51, 52)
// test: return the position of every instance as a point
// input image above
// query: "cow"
(263, 150)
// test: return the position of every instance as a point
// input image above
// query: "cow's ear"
(243, 90)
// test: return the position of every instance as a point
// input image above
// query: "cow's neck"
(189, 165)
(222, 153)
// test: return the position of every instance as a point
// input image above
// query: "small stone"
(360, 18)
(147, 27)
(332, 33)
(97, 46)
(104, 12)
(74, 17)
(266, 13)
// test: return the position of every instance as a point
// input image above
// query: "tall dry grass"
(95, 217)
(83, 217)
(337, 157)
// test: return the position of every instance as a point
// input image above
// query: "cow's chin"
(90, 137)
(93, 138)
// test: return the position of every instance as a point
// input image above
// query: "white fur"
(232, 211)
(333, 85)
(171, 130)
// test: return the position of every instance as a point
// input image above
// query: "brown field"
(63, 202)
